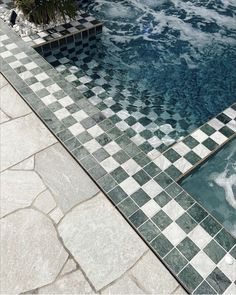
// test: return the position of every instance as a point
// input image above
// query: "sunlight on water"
(214, 186)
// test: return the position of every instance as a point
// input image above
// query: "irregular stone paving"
(89, 250)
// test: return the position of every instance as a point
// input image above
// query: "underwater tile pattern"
(193, 245)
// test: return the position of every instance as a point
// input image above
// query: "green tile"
(163, 180)
(97, 172)
(88, 162)
(225, 240)
(142, 160)
(101, 154)
(106, 125)
(192, 157)
(84, 137)
(119, 174)
(138, 218)
(161, 245)
(69, 121)
(80, 153)
(107, 183)
(103, 139)
(186, 223)
(162, 199)
(64, 135)
(211, 225)
(190, 142)
(161, 219)
(175, 261)
(204, 288)
(130, 120)
(132, 150)
(184, 200)
(149, 231)
(130, 132)
(146, 147)
(173, 172)
(152, 169)
(208, 129)
(188, 248)
(174, 190)
(127, 207)
(214, 251)
(172, 155)
(146, 134)
(233, 252)
(210, 144)
(117, 195)
(123, 141)
(121, 157)
(114, 133)
(190, 277)
(197, 212)
(72, 143)
(140, 197)
(141, 177)
(218, 281)
(223, 118)
(226, 131)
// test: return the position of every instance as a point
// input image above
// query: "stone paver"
(27, 164)
(22, 137)
(19, 189)
(3, 117)
(100, 240)
(11, 103)
(125, 285)
(45, 202)
(73, 283)
(3, 81)
(153, 276)
(33, 255)
(62, 174)
(69, 267)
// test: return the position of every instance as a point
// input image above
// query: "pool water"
(161, 68)
(214, 186)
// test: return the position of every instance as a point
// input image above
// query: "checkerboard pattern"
(191, 243)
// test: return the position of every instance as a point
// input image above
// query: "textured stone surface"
(45, 202)
(11, 102)
(3, 81)
(27, 164)
(153, 276)
(22, 137)
(123, 286)
(33, 256)
(69, 266)
(19, 189)
(100, 240)
(3, 117)
(56, 215)
(73, 283)
(67, 180)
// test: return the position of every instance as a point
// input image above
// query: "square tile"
(162, 199)
(76, 129)
(183, 165)
(131, 167)
(109, 164)
(149, 230)
(161, 245)
(181, 148)
(226, 240)
(218, 137)
(188, 248)
(138, 218)
(199, 135)
(162, 220)
(163, 180)
(173, 210)
(218, 281)
(175, 261)
(92, 146)
(141, 177)
(211, 225)
(127, 207)
(174, 233)
(162, 162)
(201, 151)
(197, 212)
(228, 269)
(203, 264)
(199, 236)
(140, 197)
(152, 188)
(150, 208)
(186, 223)
(129, 186)
(190, 277)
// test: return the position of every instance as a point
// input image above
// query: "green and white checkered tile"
(192, 244)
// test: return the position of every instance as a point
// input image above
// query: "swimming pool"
(213, 185)
(161, 68)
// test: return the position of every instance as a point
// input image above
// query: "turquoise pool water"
(214, 186)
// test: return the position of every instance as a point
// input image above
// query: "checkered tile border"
(191, 243)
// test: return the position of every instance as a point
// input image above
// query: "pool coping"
(159, 181)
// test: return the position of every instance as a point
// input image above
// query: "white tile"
(181, 148)
(231, 290)
(66, 101)
(203, 264)
(98, 90)
(131, 167)
(229, 269)
(5, 54)
(95, 131)
(182, 165)
(85, 79)
(154, 141)
(62, 113)
(15, 64)
(152, 188)
(41, 77)
(53, 88)
(80, 115)
(76, 129)
(201, 151)
(129, 186)
(138, 127)
(199, 135)
(199, 236)
(216, 124)
(218, 137)
(138, 139)
(26, 75)
(153, 154)
(20, 55)
(174, 233)
(162, 162)
(231, 113)
(232, 125)
(123, 114)
(150, 208)
(109, 164)
(48, 99)
(112, 147)
(92, 146)
(122, 125)
(173, 210)
(36, 86)
(31, 66)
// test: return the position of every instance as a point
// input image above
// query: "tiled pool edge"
(30, 96)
